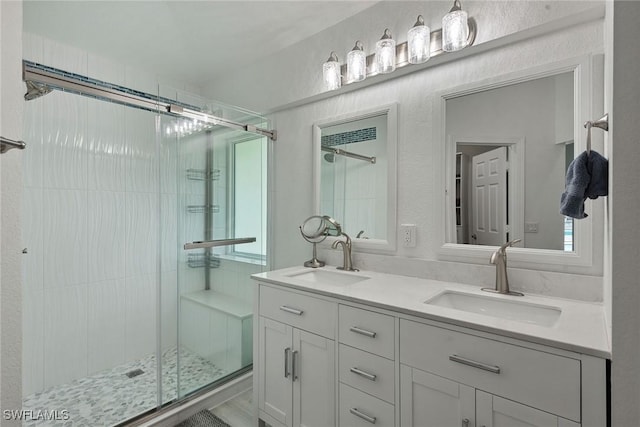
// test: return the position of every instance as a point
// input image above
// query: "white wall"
(10, 219)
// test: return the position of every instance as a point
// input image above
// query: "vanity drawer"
(367, 372)
(301, 311)
(542, 380)
(362, 410)
(367, 330)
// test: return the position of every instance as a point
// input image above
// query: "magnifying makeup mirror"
(315, 229)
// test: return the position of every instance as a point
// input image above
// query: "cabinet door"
(431, 401)
(314, 384)
(276, 350)
(494, 411)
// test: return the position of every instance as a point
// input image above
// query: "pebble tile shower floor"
(111, 397)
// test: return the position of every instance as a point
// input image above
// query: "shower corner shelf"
(203, 208)
(203, 260)
(203, 175)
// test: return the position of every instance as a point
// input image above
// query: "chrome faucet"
(347, 264)
(499, 258)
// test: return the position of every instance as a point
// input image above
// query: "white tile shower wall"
(90, 226)
(419, 170)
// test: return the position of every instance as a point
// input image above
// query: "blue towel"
(587, 177)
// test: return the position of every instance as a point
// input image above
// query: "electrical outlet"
(530, 227)
(408, 234)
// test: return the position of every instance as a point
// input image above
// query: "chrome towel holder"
(7, 144)
(602, 123)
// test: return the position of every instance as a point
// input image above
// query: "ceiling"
(190, 41)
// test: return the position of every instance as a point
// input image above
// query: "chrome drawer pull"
(362, 332)
(473, 363)
(291, 310)
(365, 417)
(370, 377)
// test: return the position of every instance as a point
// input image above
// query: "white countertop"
(581, 327)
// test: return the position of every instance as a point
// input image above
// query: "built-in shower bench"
(217, 327)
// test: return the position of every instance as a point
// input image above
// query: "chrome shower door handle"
(204, 244)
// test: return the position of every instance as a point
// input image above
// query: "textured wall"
(11, 178)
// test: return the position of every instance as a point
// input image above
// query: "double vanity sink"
(517, 309)
(569, 324)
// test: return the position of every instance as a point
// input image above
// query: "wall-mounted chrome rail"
(216, 243)
(341, 152)
(7, 144)
(82, 85)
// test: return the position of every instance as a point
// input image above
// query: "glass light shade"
(386, 53)
(331, 73)
(356, 64)
(455, 30)
(419, 42)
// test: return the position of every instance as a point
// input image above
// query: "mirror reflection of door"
(489, 197)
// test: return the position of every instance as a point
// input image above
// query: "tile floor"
(110, 397)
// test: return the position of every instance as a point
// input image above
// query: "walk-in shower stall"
(144, 217)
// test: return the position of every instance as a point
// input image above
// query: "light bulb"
(455, 29)
(419, 42)
(356, 64)
(386, 53)
(331, 72)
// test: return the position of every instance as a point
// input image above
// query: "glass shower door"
(221, 240)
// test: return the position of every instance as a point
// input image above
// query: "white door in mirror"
(489, 197)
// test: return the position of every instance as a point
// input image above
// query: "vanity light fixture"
(331, 72)
(458, 32)
(455, 29)
(419, 42)
(386, 53)
(356, 64)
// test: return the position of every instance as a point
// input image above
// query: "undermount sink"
(510, 309)
(328, 277)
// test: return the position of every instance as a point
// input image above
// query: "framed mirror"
(507, 145)
(354, 158)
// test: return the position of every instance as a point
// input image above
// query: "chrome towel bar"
(7, 144)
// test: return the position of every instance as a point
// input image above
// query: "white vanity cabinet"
(451, 378)
(296, 359)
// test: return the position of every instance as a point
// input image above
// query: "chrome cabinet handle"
(291, 310)
(473, 363)
(370, 377)
(295, 365)
(362, 332)
(286, 362)
(465, 422)
(365, 417)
